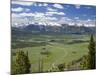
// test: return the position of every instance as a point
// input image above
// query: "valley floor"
(63, 49)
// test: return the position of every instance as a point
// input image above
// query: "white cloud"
(48, 14)
(26, 18)
(40, 4)
(35, 4)
(77, 6)
(88, 7)
(26, 14)
(51, 9)
(19, 9)
(19, 21)
(45, 4)
(58, 6)
(87, 23)
(38, 14)
(23, 3)
(76, 18)
(42, 17)
(27, 3)
(88, 20)
(50, 18)
(56, 13)
(13, 15)
(22, 15)
(35, 14)
(65, 20)
(26, 10)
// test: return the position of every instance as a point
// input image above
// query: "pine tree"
(89, 61)
(22, 64)
(61, 67)
(92, 54)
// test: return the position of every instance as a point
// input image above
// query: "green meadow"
(60, 48)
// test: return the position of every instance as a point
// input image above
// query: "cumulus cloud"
(78, 22)
(87, 23)
(88, 20)
(19, 9)
(43, 17)
(13, 15)
(56, 13)
(40, 4)
(19, 21)
(26, 3)
(27, 10)
(51, 18)
(59, 6)
(45, 4)
(65, 20)
(23, 3)
(76, 18)
(88, 7)
(51, 9)
(26, 14)
(36, 17)
(36, 14)
(77, 6)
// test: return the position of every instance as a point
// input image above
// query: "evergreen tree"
(89, 61)
(22, 64)
(61, 67)
(92, 54)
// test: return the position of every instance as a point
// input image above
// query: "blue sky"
(52, 13)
